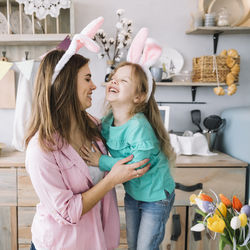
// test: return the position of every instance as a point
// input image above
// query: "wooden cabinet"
(26, 200)
(221, 173)
(8, 227)
(8, 209)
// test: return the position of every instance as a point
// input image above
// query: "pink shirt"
(59, 178)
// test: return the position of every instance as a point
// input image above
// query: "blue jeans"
(145, 222)
(32, 246)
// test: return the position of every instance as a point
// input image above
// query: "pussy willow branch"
(116, 41)
(103, 45)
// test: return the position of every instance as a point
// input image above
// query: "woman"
(77, 208)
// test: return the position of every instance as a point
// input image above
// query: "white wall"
(167, 22)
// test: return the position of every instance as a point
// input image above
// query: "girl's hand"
(91, 157)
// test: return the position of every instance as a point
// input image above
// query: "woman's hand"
(119, 173)
(91, 157)
(122, 172)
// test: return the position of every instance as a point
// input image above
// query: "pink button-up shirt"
(59, 178)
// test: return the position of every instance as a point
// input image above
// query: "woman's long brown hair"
(150, 109)
(54, 105)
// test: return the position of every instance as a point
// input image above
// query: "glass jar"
(223, 17)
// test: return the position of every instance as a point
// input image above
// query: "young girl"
(134, 126)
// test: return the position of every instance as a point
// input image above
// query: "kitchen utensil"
(156, 73)
(196, 118)
(211, 139)
(213, 123)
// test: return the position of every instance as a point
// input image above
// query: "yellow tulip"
(192, 199)
(223, 210)
(216, 224)
(243, 219)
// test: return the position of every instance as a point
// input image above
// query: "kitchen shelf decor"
(42, 8)
(25, 29)
(215, 29)
(203, 68)
(216, 32)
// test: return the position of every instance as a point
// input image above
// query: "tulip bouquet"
(228, 218)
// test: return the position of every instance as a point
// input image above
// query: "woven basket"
(203, 69)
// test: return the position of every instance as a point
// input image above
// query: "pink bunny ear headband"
(78, 41)
(145, 52)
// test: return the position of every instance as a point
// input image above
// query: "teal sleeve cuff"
(106, 162)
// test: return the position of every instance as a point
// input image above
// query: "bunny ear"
(151, 53)
(83, 40)
(92, 27)
(78, 41)
(137, 45)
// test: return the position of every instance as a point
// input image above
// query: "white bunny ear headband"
(145, 52)
(78, 41)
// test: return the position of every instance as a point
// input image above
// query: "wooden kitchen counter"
(219, 160)
(221, 173)
(11, 158)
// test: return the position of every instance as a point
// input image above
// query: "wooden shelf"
(194, 84)
(31, 39)
(216, 29)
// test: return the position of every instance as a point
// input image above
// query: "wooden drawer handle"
(188, 188)
(176, 227)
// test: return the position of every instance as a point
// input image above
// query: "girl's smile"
(121, 88)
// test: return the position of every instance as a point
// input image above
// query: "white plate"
(173, 59)
(246, 4)
(203, 5)
(235, 8)
(15, 26)
(3, 24)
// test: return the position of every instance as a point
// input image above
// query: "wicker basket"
(203, 69)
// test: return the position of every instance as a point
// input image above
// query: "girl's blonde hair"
(54, 105)
(150, 109)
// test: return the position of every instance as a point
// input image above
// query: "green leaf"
(222, 244)
(200, 212)
(225, 240)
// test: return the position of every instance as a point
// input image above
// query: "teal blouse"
(137, 137)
